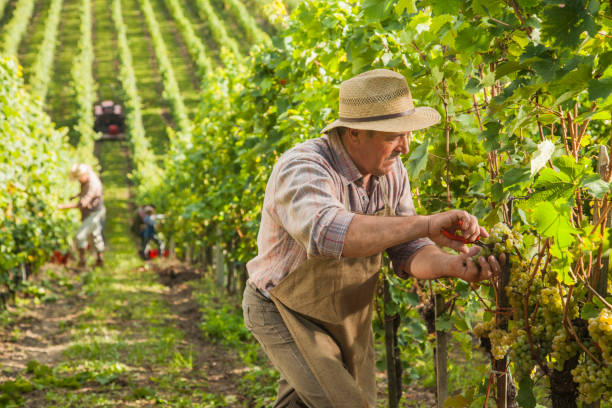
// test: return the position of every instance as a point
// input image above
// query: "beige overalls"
(327, 307)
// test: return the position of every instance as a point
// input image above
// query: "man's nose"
(403, 144)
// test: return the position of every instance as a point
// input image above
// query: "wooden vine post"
(506, 389)
(440, 353)
(599, 279)
(219, 261)
(394, 363)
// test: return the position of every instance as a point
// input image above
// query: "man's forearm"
(369, 235)
(429, 262)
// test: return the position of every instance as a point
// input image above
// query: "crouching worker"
(332, 205)
(91, 205)
(150, 232)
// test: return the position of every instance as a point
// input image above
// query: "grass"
(124, 347)
(201, 27)
(182, 64)
(61, 102)
(105, 50)
(30, 44)
(222, 323)
(155, 112)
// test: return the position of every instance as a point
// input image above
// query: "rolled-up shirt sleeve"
(400, 254)
(307, 204)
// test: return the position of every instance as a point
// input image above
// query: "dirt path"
(220, 364)
(71, 332)
(37, 330)
(125, 335)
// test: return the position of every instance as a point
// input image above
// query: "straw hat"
(78, 170)
(380, 100)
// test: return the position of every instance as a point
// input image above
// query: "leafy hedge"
(525, 93)
(171, 88)
(16, 28)
(39, 83)
(146, 171)
(85, 87)
(34, 160)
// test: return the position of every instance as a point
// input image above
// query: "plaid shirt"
(304, 211)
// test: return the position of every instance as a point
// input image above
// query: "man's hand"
(452, 221)
(464, 267)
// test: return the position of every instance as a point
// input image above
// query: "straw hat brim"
(423, 117)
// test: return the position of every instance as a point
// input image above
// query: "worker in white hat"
(91, 205)
(332, 205)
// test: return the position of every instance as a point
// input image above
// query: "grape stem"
(569, 327)
(487, 306)
(526, 316)
(585, 282)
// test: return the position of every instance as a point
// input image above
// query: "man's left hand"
(464, 267)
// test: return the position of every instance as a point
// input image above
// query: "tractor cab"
(109, 120)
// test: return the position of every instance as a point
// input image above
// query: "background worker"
(149, 230)
(93, 212)
(332, 205)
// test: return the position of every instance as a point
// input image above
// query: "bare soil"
(221, 365)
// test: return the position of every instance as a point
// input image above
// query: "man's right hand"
(452, 221)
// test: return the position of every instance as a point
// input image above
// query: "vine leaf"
(417, 160)
(596, 186)
(525, 396)
(552, 223)
(600, 88)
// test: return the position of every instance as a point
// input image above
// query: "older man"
(332, 206)
(91, 205)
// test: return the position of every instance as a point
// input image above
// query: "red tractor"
(110, 120)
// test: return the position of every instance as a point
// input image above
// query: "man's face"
(375, 152)
(84, 178)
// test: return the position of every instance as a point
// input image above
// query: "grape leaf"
(525, 396)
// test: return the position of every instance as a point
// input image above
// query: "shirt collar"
(344, 164)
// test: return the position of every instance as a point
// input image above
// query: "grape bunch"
(593, 380)
(563, 348)
(521, 356)
(501, 340)
(503, 239)
(600, 328)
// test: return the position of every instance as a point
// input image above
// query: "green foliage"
(194, 43)
(217, 26)
(511, 78)
(171, 89)
(146, 171)
(39, 82)
(85, 87)
(34, 159)
(3, 5)
(254, 33)
(16, 28)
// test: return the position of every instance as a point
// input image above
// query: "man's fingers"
(495, 266)
(456, 245)
(483, 232)
(474, 250)
(485, 269)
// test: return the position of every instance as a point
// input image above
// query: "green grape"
(600, 328)
(593, 380)
(482, 329)
(563, 349)
(501, 341)
(520, 354)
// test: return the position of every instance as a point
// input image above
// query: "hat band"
(380, 117)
